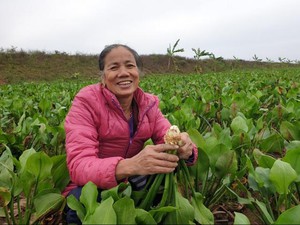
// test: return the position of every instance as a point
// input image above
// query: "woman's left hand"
(186, 148)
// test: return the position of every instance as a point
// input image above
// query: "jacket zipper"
(137, 129)
(142, 118)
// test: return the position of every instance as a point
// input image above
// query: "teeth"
(125, 82)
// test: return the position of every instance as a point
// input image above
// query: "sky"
(230, 29)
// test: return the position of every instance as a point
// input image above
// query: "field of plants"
(246, 125)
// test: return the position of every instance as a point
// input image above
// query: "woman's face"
(121, 74)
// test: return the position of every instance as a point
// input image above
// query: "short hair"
(107, 50)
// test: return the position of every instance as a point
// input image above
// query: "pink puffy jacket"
(98, 134)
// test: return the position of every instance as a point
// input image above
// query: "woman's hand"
(153, 159)
(186, 148)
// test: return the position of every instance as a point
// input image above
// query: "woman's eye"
(130, 66)
(113, 68)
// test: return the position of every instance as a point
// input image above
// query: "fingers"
(186, 149)
(165, 147)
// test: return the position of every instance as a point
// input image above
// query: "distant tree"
(171, 51)
(282, 60)
(198, 55)
(256, 59)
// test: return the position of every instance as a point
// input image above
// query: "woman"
(108, 124)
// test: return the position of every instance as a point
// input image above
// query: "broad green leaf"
(241, 140)
(289, 131)
(88, 197)
(125, 210)
(143, 217)
(116, 192)
(202, 166)
(239, 124)
(262, 159)
(184, 213)
(202, 214)
(24, 157)
(290, 216)
(47, 203)
(159, 213)
(262, 177)
(240, 218)
(282, 175)
(6, 170)
(196, 137)
(215, 153)
(292, 157)
(273, 143)
(226, 164)
(28, 181)
(75, 205)
(60, 172)
(103, 214)
(39, 164)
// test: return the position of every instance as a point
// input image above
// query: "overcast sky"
(227, 28)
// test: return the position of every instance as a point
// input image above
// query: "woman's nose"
(123, 70)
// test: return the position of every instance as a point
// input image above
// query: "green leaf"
(293, 158)
(263, 160)
(125, 211)
(196, 137)
(215, 153)
(39, 164)
(282, 175)
(240, 218)
(273, 143)
(60, 172)
(45, 203)
(202, 214)
(159, 213)
(143, 217)
(289, 131)
(226, 164)
(24, 157)
(88, 197)
(184, 213)
(75, 205)
(239, 124)
(290, 216)
(103, 214)
(116, 192)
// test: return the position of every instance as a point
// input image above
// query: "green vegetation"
(244, 117)
(245, 123)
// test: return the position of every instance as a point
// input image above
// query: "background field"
(244, 117)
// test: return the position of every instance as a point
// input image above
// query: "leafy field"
(246, 125)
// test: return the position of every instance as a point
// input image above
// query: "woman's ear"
(102, 77)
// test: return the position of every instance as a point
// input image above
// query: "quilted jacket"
(98, 134)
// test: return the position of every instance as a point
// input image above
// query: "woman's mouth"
(125, 83)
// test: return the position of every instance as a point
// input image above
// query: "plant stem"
(8, 220)
(11, 209)
(148, 201)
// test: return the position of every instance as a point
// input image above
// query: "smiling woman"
(108, 125)
(121, 75)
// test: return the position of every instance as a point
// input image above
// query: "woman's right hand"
(153, 159)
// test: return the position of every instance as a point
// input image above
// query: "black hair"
(108, 48)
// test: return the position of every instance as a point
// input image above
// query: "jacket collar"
(143, 101)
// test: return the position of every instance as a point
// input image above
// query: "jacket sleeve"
(161, 127)
(82, 144)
